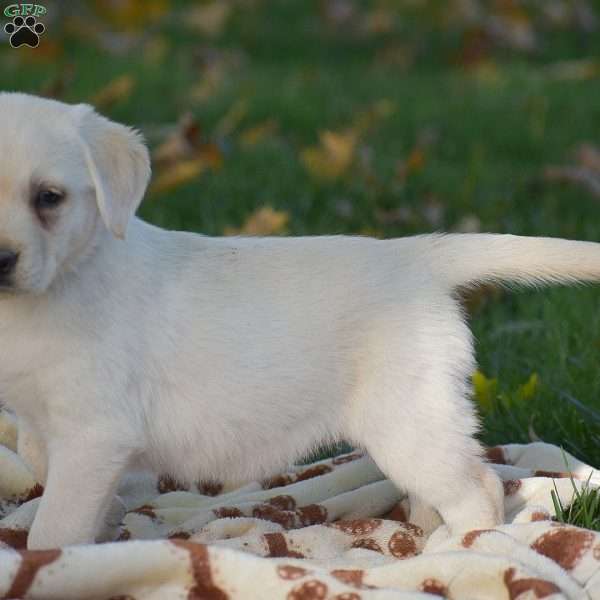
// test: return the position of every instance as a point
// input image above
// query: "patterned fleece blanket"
(333, 530)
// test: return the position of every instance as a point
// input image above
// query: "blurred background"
(382, 118)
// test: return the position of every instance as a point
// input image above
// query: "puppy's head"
(67, 175)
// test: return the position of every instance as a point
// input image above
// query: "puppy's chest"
(27, 352)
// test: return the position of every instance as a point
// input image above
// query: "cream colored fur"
(200, 356)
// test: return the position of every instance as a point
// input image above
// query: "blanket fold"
(333, 530)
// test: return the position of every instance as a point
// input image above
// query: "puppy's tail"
(467, 259)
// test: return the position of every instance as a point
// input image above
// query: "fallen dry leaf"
(588, 155)
(396, 216)
(210, 19)
(215, 66)
(400, 56)
(59, 83)
(365, 120)
(131, 14)
(211, 154)
(556, 13)
(474, 48)
(178, 174)
(417, 158)
(332, 157)
(253, 135)
(487, 73)
(335, 152)
(263, 221)
(210, 83)
(573, 70)
(184, 155)
(182, 143)
(415, 161)
(378, 21)
(338, 13)
(568, 14)
(583, 176)
(513, 30)
(117, 90)
(232, 118)
(505, 24)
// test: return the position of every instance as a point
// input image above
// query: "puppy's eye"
(48, 199)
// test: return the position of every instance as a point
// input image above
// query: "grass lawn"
(436, 124)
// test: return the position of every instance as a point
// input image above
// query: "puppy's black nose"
(8, 261)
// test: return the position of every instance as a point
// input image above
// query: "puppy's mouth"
(7, 288)
(10, 287)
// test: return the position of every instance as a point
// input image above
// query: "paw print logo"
(24, 32)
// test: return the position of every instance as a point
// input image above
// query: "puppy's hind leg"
(422, 440)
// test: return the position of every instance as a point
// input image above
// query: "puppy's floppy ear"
(119, 165)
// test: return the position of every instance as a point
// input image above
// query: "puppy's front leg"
(82, 479)
(30, 448)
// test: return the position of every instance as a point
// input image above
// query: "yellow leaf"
(528, 390)
(416, 160)
(264, 221)
(216, 67)
(379, 110)
(253, 135)
(211, 154)
(131, 14)
(485, 390)
(209, 18)
(339, 145)
(334, 154)
(332, 157)
(378, 21)
(574, 70)
(114, 91)
(212, 79)
(413, 164)
(232, 118)
(181, 143)
(178, 174)
(487, 73)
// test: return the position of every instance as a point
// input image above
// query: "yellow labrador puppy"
(123, 344)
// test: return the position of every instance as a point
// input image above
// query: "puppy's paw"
(423, 515)
(480, 506)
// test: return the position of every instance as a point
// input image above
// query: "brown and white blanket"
(333, 530)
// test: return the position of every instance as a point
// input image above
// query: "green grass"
(583, 510)
(494, 136)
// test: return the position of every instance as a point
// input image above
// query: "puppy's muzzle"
(8, 263)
